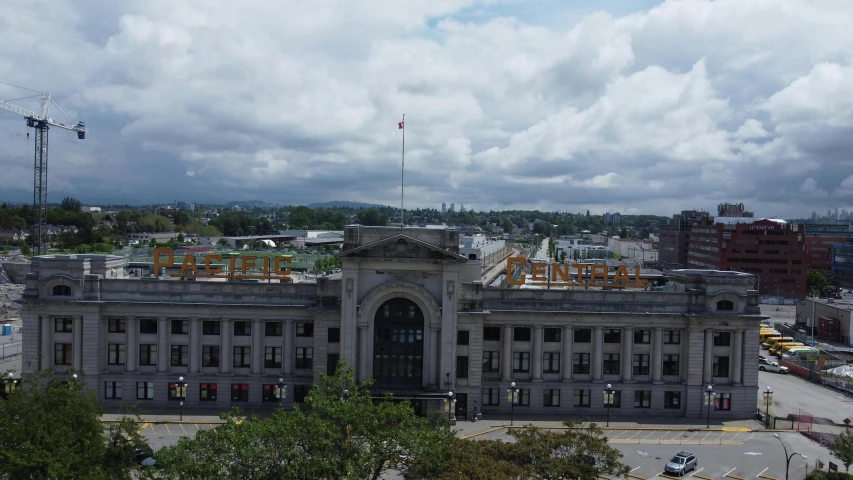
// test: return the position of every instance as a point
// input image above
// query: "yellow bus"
(772, 341)
(766, 333)
(777, 349)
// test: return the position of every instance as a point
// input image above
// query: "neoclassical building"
(409, 312)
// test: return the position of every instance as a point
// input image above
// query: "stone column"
(538, 339)
(566, 354)
(657, 357)
(506, 354)
(737, 360)
(361, 368)
(627, 355)
(257, 347)
(707, 372)
(226, 350)
(289, 355)
(131, 338)
(46, 342)
(163, 345)
(77, 343)
(195, 344)
(283, 345)
(435, 351)
(597, 354)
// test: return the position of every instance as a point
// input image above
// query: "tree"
(70, 204)
(180, 238)
(473, 460)
(507, 225)
(223, 242)
(816, 281)
(623, 232)
(371, 217)
(842, 449)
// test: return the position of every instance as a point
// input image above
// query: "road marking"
(762, 472)
(197, 428)
(765, 477)
(143, 427)
(664, 475)
(706, 436)
(182, 428)
(697, 471)
(167, 428)
(647, 436)
(752, 453)
(635, 468)
(637, 477)
(727, 473)
(703, 477)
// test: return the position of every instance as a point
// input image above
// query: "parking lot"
(160, 435)
(667, 437)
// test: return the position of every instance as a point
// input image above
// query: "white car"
(774, 367)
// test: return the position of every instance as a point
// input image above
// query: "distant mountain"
(339, 204)
(251, 204)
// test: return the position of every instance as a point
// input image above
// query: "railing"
(9, 350)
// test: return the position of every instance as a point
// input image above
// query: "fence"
(9, 350)
(805, 420)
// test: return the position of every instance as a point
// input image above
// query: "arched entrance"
(398, 344)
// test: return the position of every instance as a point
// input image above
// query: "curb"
(765, 477)
(702, 477)
(735, 477)
(170, 422)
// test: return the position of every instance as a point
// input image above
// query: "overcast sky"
(634, 106)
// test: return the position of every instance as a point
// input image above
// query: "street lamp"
(709, 400)
(608, 400)
(788, 457)
(11, 382)
(449, 406)
(768, 397)
(512, 396)
(282, 392)
(181, 388)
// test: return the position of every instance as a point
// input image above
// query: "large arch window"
(62, 290)
(398, 345)
(726, 305)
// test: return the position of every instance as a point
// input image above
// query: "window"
(491, 362)
(722, 339)
(304, 357)
(210, 327)
(725, 305)
(520, 362)
(148, 354)
(210, 356)
(643, 399)
(174, 394)
(671, 399)
(721, 366)
(462, 337)
(144, 391)
(551, 398)
(239, 392)
(269, 393)
(116, 354)
(582, 398)
(672, 337)
(273, 329)
(116, 325)
(147, 325)
(723, 401)
(272, 357)
(551, 363)
(62, 290)
(462, 366)
(642, 336)
(521, 334)
(612, 335)
(580, 363)
(180, 355)
(304, 329)
(112, 390)
(62, 354)
(242, 357)
(207, 392)
(300, 392)
(62, 324)
(180, 327)
(583, 335)
(523, 397)
(242, 328)
(332, 360)
(670, 364)
(552, 335)
(616, 400)
(491, 397)
(611, 364)
(491, 334)
(334, 335)
(641, 364)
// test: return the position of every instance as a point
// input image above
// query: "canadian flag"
(400, 125)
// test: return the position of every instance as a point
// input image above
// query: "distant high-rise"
(452, 208)
(462, 209)
(732, 210)
(443, 208)
(675, 237)
(612, 218)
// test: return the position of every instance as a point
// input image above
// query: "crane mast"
(41, 122)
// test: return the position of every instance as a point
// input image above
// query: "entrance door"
(461, 406)
(398, 344)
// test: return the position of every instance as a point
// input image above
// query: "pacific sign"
(562, 276)
(271, 267)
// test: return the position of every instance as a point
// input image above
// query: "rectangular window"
(670, 364)
(116, 325)
(523, 397)
(582, 398)
(672, 337)
(552, 335)
(304, 329)
(148, 354)
(616, 399)
(551, 398)
(210, 356)
(62, 354)
(242, 328)
(583, 335)
(462, 366)
(207, 392)
(580, 363)
(239, 392)
(722, 339)
(62, 324)
(180, 327)
(723, 401)
(551, 363)
(180, 355)
(273, 329)
(174, 394)
(116, 354)
(491, 334)
(270, 393)
(491, 362)
(334, 335)
(642, 336)
(611, 364)
(521, 334)
(643, 399)
(242, 357)
(332, 363)
(144, 391)
(641, 364)
(272, 357)
(671, 399)
(721, 366)
(304, 358)
(491, 397)
(112, 390)
(462, 337)
(147, 325)
(612, 335)
(521, 362)
(210, 327)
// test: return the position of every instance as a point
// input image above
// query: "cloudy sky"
(636, 106)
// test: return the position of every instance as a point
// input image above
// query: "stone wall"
(16, 271)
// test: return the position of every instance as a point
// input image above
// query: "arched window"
(725, 305)
(398, 346)
(63, 290)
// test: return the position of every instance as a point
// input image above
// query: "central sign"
(557, 275)
(270, 267)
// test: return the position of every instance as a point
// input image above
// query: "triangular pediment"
(402, 247)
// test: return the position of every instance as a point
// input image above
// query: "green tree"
(180, 238)
(472, 460)
(371, 217)
(623, 232)
(507, 225)
(816, 281)
(842, 449)
(70, 204)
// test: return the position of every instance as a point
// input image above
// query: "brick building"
(675, 238)
(819, 251)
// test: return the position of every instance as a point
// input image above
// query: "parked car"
(681, 463)
(763, 361)
(774, 367)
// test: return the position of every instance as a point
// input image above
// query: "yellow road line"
(631, 475)
(482, 433)
(143, 427)
(649, 435)
(667, 476)
(605, 478)
(690, 438)
(701, 476)
(729, 475)
(167, 428)
(182, 428)
(765, 477)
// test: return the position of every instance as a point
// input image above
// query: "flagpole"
(403, 172)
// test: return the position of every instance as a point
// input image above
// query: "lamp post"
(788, 457)
(768, 397)
(608, 400)
(181, 388)
(512, 396)
(11, 383)
(449, 405)
(282, 392)
(709, 399)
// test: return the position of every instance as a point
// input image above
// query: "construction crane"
(41, 122)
